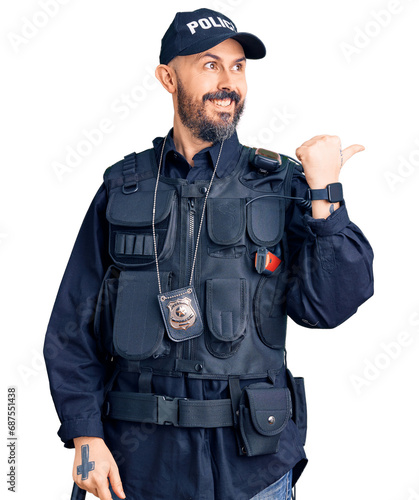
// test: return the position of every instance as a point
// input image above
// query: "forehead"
(227, 51)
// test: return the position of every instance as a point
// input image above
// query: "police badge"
(181, 314)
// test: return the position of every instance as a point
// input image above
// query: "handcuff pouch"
(264, 414)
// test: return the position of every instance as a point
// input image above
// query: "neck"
(186, 143)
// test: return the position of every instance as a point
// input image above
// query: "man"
(191, 255)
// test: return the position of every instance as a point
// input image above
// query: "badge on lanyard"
(181, 314)
(180, 308)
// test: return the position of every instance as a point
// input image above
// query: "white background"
(347, 68)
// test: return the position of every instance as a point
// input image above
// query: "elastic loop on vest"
(128, 169)
(129, 164)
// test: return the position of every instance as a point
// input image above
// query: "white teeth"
(222, 102)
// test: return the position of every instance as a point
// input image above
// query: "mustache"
(222, 94)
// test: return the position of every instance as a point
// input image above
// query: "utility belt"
(259, 412)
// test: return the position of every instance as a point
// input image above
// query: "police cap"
(194, 32)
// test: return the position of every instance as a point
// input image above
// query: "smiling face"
(210, 90)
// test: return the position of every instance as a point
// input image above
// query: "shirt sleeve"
(329, 272)
(76, 368)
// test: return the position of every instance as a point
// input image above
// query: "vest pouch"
(264, 414)
(269, 307)
(131, 236)
(105, 310)
(226, 223)
(226, 313)
(138, 327)
(299, 404)
(265, 222)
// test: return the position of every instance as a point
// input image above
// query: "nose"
(225, 81)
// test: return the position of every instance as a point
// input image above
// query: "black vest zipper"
(187, 345)
(191, 231)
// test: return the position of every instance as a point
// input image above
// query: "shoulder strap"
(127, 173)
(290, 166)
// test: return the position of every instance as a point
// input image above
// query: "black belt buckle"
(168, 410)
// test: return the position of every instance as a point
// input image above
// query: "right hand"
(105, 466)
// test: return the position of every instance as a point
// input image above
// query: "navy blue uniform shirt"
(333, 275)
(175, 165)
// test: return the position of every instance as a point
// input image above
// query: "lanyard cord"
(200, 223)
(154, 215)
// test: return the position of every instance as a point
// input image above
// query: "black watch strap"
(333, 193)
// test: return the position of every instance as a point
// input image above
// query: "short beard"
(194, 117)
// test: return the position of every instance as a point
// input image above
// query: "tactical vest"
(244, 312)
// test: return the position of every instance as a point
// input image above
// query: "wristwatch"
(333, 193)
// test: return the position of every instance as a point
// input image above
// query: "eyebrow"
(218, 58)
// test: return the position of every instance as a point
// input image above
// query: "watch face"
(335, 192)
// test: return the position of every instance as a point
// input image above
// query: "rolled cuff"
(335, 223)
(70, 429)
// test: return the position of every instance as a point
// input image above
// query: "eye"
(210, 65)
(238, 67)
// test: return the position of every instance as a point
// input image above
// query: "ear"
(167, 77)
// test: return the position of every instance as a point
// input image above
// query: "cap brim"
(253, 47)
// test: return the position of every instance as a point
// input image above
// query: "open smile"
(222, 103)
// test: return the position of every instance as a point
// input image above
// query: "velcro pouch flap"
(136, 209)
(227, 307)
(226, 220)
(265, 220)
(270, 408)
